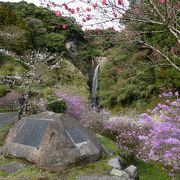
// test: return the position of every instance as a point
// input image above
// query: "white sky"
(86, 25)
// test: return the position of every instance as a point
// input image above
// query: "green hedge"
(57, 106)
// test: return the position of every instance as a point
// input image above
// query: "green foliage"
(3, 90)
(131, 78)
(108, 144)
(44, 29)
(150, 171)
(57, 106)
(3, 133)
(7, 69)
(8, 17)
(54, 42)
(39, 28)
(18, 67)
(48, 94)
(68, 74)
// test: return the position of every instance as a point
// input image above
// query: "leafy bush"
(51, 98)
(57, 106)
(48, 93)
(3, 90)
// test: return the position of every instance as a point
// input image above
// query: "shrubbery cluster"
(57, 106)
(155, 136)
(152, 136)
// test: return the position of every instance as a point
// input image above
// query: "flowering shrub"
(126, 130)
(163, 140)
(156, 136)
(81, 110)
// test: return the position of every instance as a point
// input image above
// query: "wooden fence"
(9, 108)
(15, 108)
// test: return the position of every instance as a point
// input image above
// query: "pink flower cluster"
(155, 136)
(127, 131)
(163, 139)
(81, 110)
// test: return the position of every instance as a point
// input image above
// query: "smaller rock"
(100, 178)
(114, 163)
(132, 171)
(23, 178)
(120, 173)
(12, 167)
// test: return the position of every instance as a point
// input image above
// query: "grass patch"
(151, 171)
(108, 144)
(99, 168)
(16, 67)
(3, 133)
(33, 172)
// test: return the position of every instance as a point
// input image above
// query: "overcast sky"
(88, 24)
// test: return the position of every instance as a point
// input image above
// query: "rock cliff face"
(52, 141)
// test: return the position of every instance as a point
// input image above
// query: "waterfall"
(94, 86)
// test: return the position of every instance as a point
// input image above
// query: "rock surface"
(12, 167)
(120, 173)
(52, 141)
(100, 178)
(132, 171)
(114, 163)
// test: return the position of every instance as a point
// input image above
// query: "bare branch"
(161, 53)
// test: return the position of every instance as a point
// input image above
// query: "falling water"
(94, 86)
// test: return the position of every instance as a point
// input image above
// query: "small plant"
(57, 106)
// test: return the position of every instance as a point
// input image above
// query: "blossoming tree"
(130, 16)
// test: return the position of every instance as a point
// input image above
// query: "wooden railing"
(9, 108)
(15, 108)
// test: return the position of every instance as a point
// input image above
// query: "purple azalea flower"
(176, 94)
(172, 141)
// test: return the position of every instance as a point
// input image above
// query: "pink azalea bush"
(163, 139)
(126, 132)
(81, 110)
(153, 136)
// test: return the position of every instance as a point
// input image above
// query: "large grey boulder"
(52, 141)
